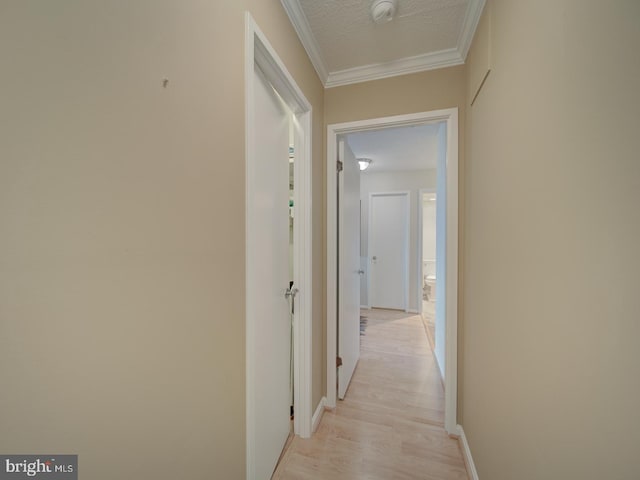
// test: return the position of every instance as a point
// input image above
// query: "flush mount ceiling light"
(364, 163)
(382, 11)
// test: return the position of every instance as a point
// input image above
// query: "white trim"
(466, 454)
(250, 334)
(403, 66)
(412, 310)
(332, 270)
(419, 63)
(450, 116)
(469, 25)
(451, 266)
(407, 246)
(308, 40)
(258, 51)
(407, 251)
(317, 415)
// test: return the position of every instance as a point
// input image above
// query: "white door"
(269, 254)
(349, 268)
(388, 249)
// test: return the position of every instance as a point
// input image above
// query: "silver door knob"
(360, 272)
(290, 295)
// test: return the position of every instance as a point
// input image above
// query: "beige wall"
(551, 357)
(419, 92)
(122, 211)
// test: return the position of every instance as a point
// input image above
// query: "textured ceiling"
(347, 37)
(346, 46)
(399, 149)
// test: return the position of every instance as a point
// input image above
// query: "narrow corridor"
(391, 424)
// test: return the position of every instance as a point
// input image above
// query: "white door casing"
(389, 250)
(450, 116)
(349, 281)
(442, 285)
(259, 52)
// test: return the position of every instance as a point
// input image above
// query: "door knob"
(291, 292)
(360, 272)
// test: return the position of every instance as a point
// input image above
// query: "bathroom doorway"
(428, 260)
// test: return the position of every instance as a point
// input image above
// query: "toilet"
(430, 282)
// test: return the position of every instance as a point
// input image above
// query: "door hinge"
(338, 362)
(339, 165)
(291, 412)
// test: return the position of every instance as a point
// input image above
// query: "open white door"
(349, 269)
(389, 250)
(269, 254)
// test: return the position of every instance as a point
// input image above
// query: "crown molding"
(303, 29)
(469, 25)
(420, 63)
(403, 66)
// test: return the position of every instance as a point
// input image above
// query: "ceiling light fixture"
(364, 163)
(382, 11)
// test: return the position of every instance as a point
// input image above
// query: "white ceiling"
(346, 46)
(397, 149)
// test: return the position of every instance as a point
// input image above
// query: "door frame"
(258, 51)
(407, 246)
(450, 116)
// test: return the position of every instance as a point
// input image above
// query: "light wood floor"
(390, 426)
(429, 320)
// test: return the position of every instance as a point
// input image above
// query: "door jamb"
(258, 51)
(450, 116)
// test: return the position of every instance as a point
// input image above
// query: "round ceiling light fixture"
(382, 11)
(364, 163)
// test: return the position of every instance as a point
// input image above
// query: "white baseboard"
(466, 454)
(364, 307)
(317, 415)
(411, 310)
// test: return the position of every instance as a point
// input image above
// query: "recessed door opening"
(428, 250)
(431, 240)
(403, 267)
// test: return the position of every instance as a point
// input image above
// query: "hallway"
(391, 424)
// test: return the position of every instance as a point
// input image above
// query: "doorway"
(450, 198)
(278, 318)
(431, 241)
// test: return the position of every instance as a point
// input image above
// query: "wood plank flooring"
(391, 424)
